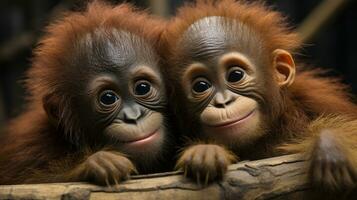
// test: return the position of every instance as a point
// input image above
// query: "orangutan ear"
(284, 66)
(50, 104)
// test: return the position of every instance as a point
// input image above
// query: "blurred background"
(328, 27)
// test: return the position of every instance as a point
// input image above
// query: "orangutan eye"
(235, 75)
(201, 86)
(108, 97)
(142, 88)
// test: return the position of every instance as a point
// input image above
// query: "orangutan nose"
(222, 100)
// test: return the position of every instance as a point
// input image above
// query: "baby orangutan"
(240, 95)
(97, 104)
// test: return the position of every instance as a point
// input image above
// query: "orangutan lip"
(147, 137)
(227, 124)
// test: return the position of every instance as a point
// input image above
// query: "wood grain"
(271, 178)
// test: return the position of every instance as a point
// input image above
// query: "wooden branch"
(263, 179)
(319, 17)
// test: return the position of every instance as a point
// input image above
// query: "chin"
(242, 131)
(147, 147)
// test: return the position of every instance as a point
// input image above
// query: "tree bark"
(274, 178)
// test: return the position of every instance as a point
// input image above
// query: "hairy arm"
(331, 145)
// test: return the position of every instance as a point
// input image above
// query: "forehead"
(213, 36)
(115, 50)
